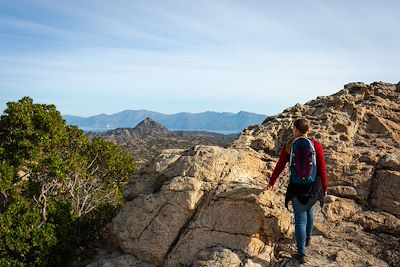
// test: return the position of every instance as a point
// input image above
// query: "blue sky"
(91, 57)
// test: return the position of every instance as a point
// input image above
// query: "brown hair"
(301, 125)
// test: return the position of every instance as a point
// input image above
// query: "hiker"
(307, 183)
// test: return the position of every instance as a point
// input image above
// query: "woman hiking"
(307, 183)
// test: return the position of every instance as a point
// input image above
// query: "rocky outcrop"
(358, 127)
(207, 206)
(386, 186)
(206, 200)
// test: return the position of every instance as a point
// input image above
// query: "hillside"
(149, 138)
(207, 206)
(205, 121)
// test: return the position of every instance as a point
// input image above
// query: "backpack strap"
(291, 151)
(314, 154)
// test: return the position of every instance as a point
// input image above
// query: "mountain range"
(224, 122)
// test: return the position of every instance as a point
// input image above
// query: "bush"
(62, 188)
(25, 239)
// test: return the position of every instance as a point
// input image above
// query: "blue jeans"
(304, 220)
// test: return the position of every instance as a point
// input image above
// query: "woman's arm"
(321, 169)
(280, 165)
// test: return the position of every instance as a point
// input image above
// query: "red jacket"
(284, 158)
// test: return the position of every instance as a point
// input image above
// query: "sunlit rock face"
(207, 206)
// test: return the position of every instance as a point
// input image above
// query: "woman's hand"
(269, 187)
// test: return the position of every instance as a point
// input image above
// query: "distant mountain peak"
(149, 122)
(149, 127)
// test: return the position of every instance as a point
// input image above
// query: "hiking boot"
(301, 259)
(308, 241)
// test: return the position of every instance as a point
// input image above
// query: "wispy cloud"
(210, 55)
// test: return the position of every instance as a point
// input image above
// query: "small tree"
(57, 172)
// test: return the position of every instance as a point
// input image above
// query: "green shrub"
(25, 238)
(63, 188)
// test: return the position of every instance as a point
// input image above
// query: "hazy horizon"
(108, 114)
(96, 57)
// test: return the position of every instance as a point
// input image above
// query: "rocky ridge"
(207, 206)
